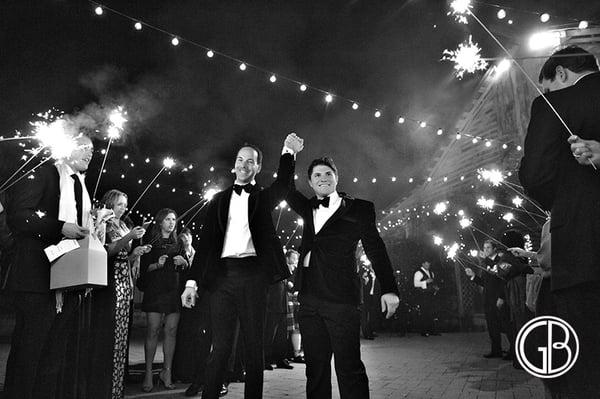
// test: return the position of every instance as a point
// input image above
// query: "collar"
(253, 183)
(333, 197)
(583, 76)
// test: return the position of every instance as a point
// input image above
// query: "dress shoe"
(424, 334)
(299, 359)
(284, 364)
(492, 355)
(193, 390)
(224, 390)
(268, 366)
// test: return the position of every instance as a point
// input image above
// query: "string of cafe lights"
(328, 96)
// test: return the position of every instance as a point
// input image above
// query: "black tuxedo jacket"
(207, 265)
(332, 273)
(493, 286)
(550, 175)
(33, 219)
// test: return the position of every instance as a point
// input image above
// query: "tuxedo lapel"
(341, 211)
(223, 208)
(253, 203)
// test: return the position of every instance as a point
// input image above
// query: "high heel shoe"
(148, 388)
(170, 386)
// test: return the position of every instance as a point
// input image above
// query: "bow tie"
(238, 188)
(316, 202)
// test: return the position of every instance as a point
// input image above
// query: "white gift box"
(83, 267)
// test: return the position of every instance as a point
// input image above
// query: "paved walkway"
(411, 367)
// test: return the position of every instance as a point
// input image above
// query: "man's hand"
(429, 281)
(389, 303)
(585, 152)
(499, 303)
(469, 272)
(188, 298)
(294, 143)
(72, 230)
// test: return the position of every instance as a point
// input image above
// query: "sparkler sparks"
(508, 216)
(486, 203)
(494, 176)
(168, 162)
(474, 253)
(460, 10)
(466, 58)
(55, 136)
(452, 250)
(437, 240)
(210, 193)
(440, 208)
(464, 223)
(517, 201)
(117, 117)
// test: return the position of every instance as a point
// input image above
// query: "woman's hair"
(156, 230)
(110, 198)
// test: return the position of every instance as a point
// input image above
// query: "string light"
(273, 79)
(328, 98)
(583, 25)
(440, 132)
(242, 66)
(175, 41)
(303, 87)
(501, 14)
(423, 124)
(138, 26)
(401, 120)
(98, 10)
(545, 17)
(377, 114)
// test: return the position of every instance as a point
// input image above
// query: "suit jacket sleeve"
(539, 165)
(376, 252)
(207, 237)
(26, 199)
(279, 189)
(297, 201)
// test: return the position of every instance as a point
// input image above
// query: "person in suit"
(238, 256)
(43, 210)
(424, 283)
(493, 297)
(551, 175)
(328, 282)
(368, 299)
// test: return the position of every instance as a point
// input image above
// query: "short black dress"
(161, 287)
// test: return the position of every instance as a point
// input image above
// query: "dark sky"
(383, 53)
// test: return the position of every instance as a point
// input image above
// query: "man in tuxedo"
(424, 283)
(559, 180)
(42, 210)
(493, 297)
(329, 284)
(367, 304)
(238, 256)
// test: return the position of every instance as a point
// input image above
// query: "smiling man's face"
(323, 180)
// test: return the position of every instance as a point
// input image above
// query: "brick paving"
(411, 367)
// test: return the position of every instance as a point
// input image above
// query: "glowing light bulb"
(373, 180)
(501, 14)
(545, 17)
(423, 124)
(138, 26)
(583, 25)
(355, 180)
(175, 41)
(210, 54)
(488, 143)
(401, 120)
(377, 114)
(440, 132)
(300, 222)
(242, 67)
(303, 87)
(458, 136)
(98, 10)
(411, 180)
(273, 78)
(328, 98)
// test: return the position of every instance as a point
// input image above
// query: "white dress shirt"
(419, 276)
(238, 240)
(67, 208)
(321, 215)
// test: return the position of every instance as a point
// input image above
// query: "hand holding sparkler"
(586, 152)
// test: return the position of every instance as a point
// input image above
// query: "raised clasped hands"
(188, 298)
(294, 143)
(586, 152)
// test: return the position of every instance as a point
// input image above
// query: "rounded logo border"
(520, 337)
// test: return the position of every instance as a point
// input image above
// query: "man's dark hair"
(255, 148)
(573, 58)
(321, 161)
(492, 243)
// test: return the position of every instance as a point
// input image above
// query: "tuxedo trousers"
(36, 361)
(240, 294)
(328, 329)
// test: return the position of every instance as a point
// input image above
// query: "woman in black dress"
(160, 280)
(110, 305)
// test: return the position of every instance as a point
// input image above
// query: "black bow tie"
(316, 202)
(238, 188)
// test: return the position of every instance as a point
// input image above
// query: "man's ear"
(259, 168)
(561, 73)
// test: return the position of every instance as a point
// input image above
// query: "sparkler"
(282, 205)
(437, 240)
(168, 163)
(494, 176)
(6, 187)
(117, 120)
(486, 203)
(35, 153)
(462, 8)
(440, 208)
(17, 138)
(466, 58)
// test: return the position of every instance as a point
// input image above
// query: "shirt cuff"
(191, 284)
(287, 150)
(472, 278)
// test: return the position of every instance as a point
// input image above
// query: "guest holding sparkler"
(571, 191)
(42, 211)
(160, 280)
(110, 306)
